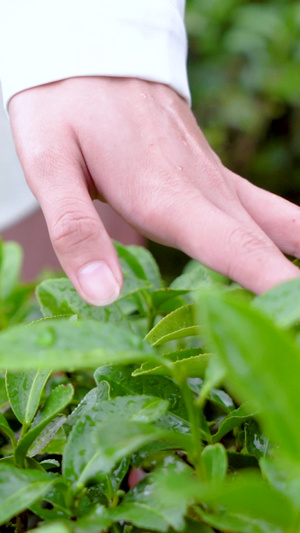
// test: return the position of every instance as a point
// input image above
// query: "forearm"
(48, 40)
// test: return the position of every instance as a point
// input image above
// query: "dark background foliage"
(244, 69)
(244, 72)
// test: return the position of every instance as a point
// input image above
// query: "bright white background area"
(16, 200)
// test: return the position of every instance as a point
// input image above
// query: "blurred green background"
(244, 69)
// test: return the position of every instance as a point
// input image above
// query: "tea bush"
(245, 79)
(174, 409)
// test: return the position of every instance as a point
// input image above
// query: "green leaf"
(55, 403)
(57, 444)
(281, 303)
(24, 390)
(234, 523)
(6, 430)
(122, 383)
(191, 362)
(46, 435)
(56, 527)
(263, 365)
(222, 400)
(167, 300)
(110, 483)
(193, 279)
(63, 344)
(58, 297)
(178, 324)
(82, 452)
(256, 443)
(160, 501)
(214, 459)
(10, 268)
(91, 399)
(214, 374)
(49, 464)
(234, 419)
(282, 479)
(196, 527)
(116, 442)
(247, 496)
(140, 261)
(151, 412)
(3, 394)
(19, 489)
(56, 497)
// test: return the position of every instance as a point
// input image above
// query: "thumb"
(78, 236)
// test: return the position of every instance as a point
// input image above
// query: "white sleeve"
(42, 41)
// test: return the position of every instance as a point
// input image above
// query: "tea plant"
(173, 409)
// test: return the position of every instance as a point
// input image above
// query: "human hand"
(136, 145)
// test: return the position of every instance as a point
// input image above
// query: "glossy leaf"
(191, 362)
(10, 267)
(82, 453)
(256, 443)
(263, 365)
(55, 403)
(57, 497)
(233, 419)
(141, 262)
(92, 399)
(159, 501)
(57, 297)
(122, 384)
(178, 324)
(281, 303)
(116, 442)
(217, 396)
(46, 435)
(220, 398)
(98, 521)
(19, 489)
(57, 444)
(62, 344)
(24, 390)
(215, 462)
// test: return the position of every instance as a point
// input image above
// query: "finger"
(79, 238)
(278, 218)
(236, 249)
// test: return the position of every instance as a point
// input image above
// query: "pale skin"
(136, 145)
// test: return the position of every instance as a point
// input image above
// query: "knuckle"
(73, 229)
(44, 160)
(244, 246)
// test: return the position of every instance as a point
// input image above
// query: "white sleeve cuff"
(42, 41)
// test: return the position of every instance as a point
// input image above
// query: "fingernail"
(98, 284)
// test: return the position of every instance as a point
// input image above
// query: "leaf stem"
(194, 419)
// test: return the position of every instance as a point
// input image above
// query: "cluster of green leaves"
(245, 81)
(175, 408)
